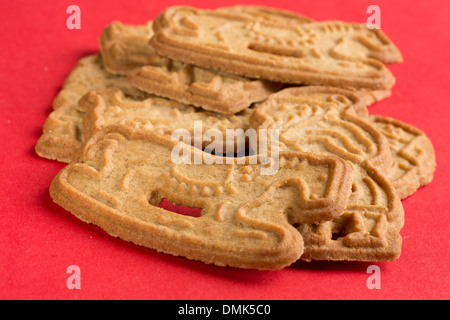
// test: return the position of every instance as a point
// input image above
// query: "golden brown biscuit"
(414, 160)
(266, 14)
(202, 88)
(63, 129)
(160, 115)
(123, 174)
(324, 120)
(126, 51)
(125, 47)
(340, 175)
(61, 138)
(89, 73)
(321, 53)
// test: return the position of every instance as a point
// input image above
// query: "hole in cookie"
(241, 153)
(236, 144)
(296, 225)
(341, 233)
(183, 210)
(232, 150)
(340, 227)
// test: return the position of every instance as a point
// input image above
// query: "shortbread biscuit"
(321, 53)
(325, 120)
(125, 50)
(123, 174)
(414, 160)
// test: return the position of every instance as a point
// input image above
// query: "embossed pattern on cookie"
(163, 116)
(203, 88)
(88, 74)
(340, 175)
(325, 53)
(268, 15)
(126, 51)
(62, 132)
(123, 174)
(414, 160)
(329, 125)
(125, 47)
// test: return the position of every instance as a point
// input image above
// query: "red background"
(39, 240)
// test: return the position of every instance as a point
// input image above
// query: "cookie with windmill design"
(329, 121)
(126, 51)
(123, 174)
(414, 160)
(321, 53)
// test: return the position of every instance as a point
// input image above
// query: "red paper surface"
(39, 240)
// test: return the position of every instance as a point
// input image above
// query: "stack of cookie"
(340, 173)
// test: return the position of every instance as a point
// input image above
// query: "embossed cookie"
(321, 53)
(326, 121)
(125, 50)
(63, 130)
(125, 47)
(270, 15)
(88, 74)
(123, 174)
(163, 116)
(203, 88)
(414, 159)
(61, 138)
